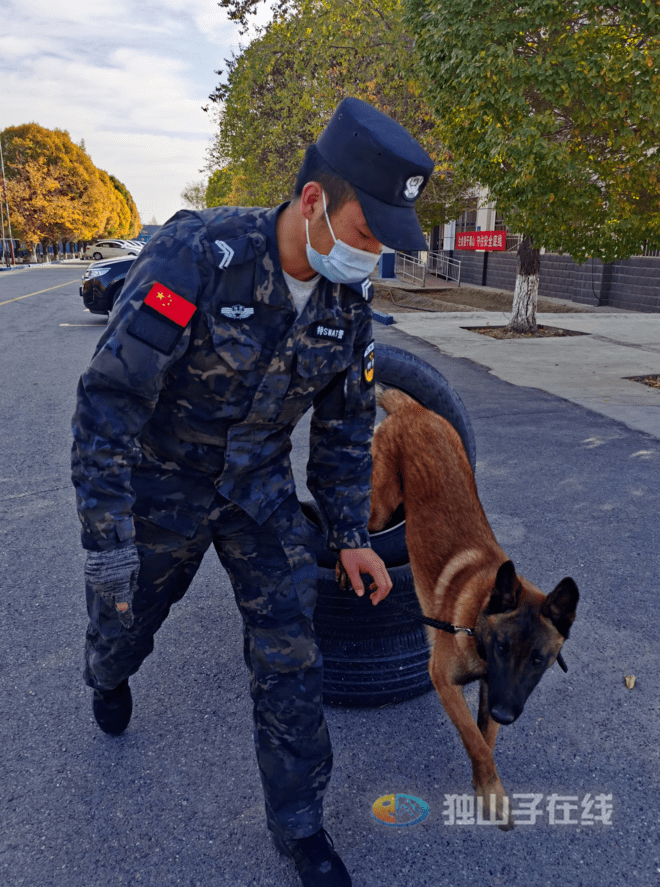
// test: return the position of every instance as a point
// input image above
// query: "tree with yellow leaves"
(55, 192)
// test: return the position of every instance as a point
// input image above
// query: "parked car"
(111, 249)
(102, 282)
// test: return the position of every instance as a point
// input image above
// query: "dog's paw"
(493, 806)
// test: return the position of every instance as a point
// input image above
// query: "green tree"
(220, 187)
(554, 107)
(282, 88)
(194, 195)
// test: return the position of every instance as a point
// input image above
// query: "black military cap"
(385, 165)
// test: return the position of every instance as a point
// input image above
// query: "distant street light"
(4, 193)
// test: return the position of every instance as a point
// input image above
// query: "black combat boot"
(113, 708)
(316, 860)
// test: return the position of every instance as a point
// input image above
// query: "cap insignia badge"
(413, 185)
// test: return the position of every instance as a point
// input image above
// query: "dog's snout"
(503, 715)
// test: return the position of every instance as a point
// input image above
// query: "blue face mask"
(344, 263)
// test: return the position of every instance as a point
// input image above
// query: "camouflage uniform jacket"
(201, 375)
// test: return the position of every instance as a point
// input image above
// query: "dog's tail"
(391, 399)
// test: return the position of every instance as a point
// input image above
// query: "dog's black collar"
(434, 623)
(455, 629)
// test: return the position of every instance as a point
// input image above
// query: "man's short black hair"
(314, 169)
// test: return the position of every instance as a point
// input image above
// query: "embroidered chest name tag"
(162, 318)
(320, 331)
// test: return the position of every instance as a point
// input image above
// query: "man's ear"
(311, 197)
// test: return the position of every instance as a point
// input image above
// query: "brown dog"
(462, 576)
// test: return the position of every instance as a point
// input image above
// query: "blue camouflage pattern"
(274, 576)
(182, 439)
(167, 417)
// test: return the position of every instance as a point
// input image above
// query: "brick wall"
(472, 264)
(501, 270)
(632, 284)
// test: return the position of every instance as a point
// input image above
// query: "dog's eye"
(502, 647)
(537, 659)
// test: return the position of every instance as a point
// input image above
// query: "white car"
(111, 249)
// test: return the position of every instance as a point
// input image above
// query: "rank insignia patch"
(368, 363)
(169, 304)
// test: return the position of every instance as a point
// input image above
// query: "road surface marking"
(18, 298)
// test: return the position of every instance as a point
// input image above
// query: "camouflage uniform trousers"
(273, 573)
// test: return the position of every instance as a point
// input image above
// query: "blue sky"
(128, 77)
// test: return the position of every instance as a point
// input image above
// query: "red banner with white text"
(486, 240)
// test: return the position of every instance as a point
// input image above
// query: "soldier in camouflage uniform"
(232, 323)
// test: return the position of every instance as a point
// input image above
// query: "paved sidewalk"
(30, 266)
(591, 370)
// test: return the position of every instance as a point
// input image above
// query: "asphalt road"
(177, 799)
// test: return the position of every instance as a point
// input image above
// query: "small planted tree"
(554, 107)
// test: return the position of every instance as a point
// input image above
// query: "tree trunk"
(523, 312)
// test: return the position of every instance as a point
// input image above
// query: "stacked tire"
(379, 655)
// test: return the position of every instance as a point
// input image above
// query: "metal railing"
(415, 271)
(410, 269)
(442, 265)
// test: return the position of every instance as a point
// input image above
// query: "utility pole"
(4, 192)
(2, 236)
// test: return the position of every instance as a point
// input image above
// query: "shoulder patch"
(161, 319)
(168, 303)
(369, 364)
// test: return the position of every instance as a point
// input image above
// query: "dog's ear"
(560, 605)
(506, 592)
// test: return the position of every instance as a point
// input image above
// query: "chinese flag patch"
(169, 304)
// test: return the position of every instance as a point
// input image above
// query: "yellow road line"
(38, 293)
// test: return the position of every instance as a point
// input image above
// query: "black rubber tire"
(375, 671)
(97, 256)
(342, 614)
(400, 369)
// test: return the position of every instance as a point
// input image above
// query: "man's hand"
(364, 560)
(113, 576)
